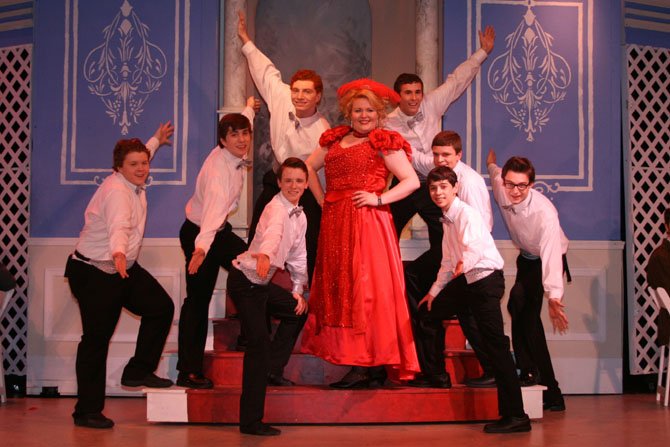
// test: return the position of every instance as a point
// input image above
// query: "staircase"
(313, 402)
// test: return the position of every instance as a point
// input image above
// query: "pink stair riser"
(321, 405)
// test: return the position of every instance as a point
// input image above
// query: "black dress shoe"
(554, 405)
(509, 424)
(194, 380)
(92, 420)
(431, 381)
(149, 381)
(357, 378)
(241, 345)
(277, 380)
(528, 378)
(485, 381)
(378, 376)
(261, 429)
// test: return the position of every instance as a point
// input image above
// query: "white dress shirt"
(280, 236)
(468, 239)
(535, 229)
(433, 107)
(114, 220)
(472, 190)
(290, 136)
(217, 193)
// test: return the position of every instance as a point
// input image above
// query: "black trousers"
(101, 296)
(193, 319)
(420, 274)
(311, 209)
(482, 298)
(419, 202)
(525, 307)
(255, 304)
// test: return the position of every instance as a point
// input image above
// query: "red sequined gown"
(358, 310)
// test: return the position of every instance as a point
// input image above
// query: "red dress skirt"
(358, 310)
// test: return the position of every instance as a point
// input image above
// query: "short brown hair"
(124, 147)
(448, 138)
(347, 102)
(292, 162)
(442, 173)
(232, 121)
(521, 165)
(308, 75)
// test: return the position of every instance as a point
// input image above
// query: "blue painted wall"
(72, 128)
(584, 184)
(592, 212)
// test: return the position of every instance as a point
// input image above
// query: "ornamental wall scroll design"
(529, 78)
(125, 69)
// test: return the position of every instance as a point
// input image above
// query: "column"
(234, 96)
(427, 67)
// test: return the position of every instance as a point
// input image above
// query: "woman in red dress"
(358, 311)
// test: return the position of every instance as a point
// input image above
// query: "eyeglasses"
(520, 186)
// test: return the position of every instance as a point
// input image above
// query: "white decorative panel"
(648, 193)
(14, 195)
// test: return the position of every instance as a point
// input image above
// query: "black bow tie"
(244, 164)
(297, 211)
(415, 119)
(139, 189)
(509, 208)
(294, 118)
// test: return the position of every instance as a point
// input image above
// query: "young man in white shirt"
(418, 118)
(295, 128)
(447, 151)
(533, 225)
(279, 243)
(105, 277)
(208, 241)
(471, 276)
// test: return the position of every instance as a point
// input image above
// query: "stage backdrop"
(111, 70)
(537, 96)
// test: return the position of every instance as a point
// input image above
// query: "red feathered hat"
(375, 87)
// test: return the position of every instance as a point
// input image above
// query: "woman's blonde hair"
(347, 102)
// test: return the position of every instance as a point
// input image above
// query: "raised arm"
(439, 100)
(160, 137)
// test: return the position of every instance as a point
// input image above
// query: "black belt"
(566, 268)
(82, 257)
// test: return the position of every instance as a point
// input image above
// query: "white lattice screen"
(649, 190)
(14, 178)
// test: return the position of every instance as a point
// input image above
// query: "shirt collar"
(453, 210)
(125, 181)
(230, 158)
(520, 207)
(284, 201)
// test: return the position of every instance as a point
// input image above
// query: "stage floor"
(590, 421)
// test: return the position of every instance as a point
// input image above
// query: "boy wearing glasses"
(533, 225)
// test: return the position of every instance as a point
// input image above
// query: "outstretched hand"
(262, 264)
(254, 104)
(164, 133)
(301, 307)
(197, 258)
(491, 158)
(557, 315)
(487, 39)
(120, 264)
(428, 300)
(242, 28)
